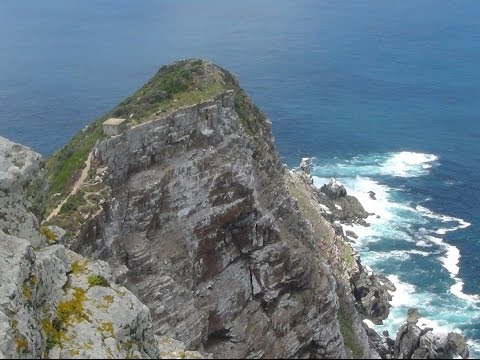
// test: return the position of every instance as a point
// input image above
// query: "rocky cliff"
(53, 302)
(198, 221)
(191, 209)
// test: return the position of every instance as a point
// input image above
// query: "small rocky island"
(174, 231)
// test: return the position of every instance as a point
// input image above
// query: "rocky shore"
(372, 292)
(186, 232)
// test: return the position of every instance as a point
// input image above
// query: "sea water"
(384, 94)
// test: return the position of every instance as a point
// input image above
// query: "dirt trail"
(76, 186)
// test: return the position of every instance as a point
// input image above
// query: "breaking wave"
(406, 241)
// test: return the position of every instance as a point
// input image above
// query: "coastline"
(358, 234)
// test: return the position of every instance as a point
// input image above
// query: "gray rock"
(305, 165)
(334, 189)
(55, 303)
(413, 315)
(22, 191)
(416, 343)
(351, 234)
(371, 292)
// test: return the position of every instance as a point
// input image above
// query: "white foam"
(403, 296)
(451, 259)
(461, 224)
(450, 262)
(408, 164)
(474, 347)
(422, 243)
(417, 252)
(399, 254)
(438, 327)
(457, 290)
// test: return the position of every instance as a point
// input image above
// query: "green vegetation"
(72, 310)
(346, 328)
(28, 286)
(65, 166)
(22, 344)
(106, 328)
(183, 83)
(97, 280)
(73, 203)
(347, 252)
(52, 332)
(108, 299)
(303, 202)
(27, 293)
(78, 268)
(49, 234)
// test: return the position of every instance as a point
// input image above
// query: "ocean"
(384, 95)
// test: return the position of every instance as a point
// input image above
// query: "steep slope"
(195, 218)
(53, 302)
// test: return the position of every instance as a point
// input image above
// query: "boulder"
(413, 315)
(306, 164)
(417, 343)
(334, 189)
(56, 304)
(351, 234)
(371, 292)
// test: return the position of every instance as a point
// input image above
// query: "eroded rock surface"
(200, 225)
(22, 190)
(53, 302)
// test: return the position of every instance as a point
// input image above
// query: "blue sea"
(384, 94)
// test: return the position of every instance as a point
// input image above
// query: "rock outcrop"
(22, 189)
(306, 164)
(334, 190)
(341, 206)
(413, 342)
(53, 302)
(372, 293)
(201, 226)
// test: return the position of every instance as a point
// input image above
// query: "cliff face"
(200, 225)
(22, 191)
(53, 302)
(196, 215)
